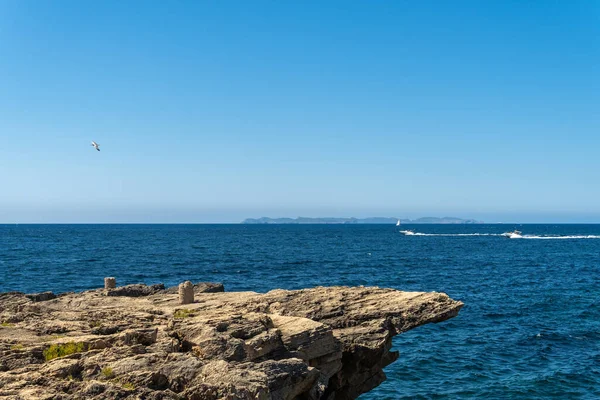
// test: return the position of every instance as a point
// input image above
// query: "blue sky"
(217, 111)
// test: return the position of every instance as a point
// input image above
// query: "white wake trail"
(453, 234)
(512, 236)
(534, 237)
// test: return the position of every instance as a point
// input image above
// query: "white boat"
(398, 223)
(407, 232)
(513, 235)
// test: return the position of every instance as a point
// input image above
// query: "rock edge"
(139, 342)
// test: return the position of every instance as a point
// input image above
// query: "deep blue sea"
(530, 327)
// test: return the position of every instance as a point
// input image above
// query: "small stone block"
(186, 293)
(110, 283)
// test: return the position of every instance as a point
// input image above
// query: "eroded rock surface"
(321, 343)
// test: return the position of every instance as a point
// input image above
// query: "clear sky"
(213, 111)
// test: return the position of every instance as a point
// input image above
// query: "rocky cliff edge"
(138, 342)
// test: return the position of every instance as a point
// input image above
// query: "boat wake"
(509, 235)
(556, 237)
(410, 233)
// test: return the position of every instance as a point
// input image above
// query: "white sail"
(398, 223)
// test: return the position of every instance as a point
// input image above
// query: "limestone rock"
(110, 282)
(44, 296)
(186, 293)
(137, 341)
(201, 287)
(135, 290)
(208, 287)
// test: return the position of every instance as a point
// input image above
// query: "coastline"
(140, 340)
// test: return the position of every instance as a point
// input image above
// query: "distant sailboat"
(398, 223)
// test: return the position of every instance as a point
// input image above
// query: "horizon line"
(241, 223)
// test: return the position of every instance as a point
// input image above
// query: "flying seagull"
(96, 145)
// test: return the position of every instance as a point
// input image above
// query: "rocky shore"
(141, 342)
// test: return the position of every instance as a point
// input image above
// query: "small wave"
(182, 263)
(298, 262)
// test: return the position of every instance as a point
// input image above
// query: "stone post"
(186, 292)
(110, 283)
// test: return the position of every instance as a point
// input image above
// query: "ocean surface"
(530, 327)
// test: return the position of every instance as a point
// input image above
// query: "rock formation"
(138, 342)
(186, 293)
(110, 282)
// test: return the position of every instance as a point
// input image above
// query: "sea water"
(530, 327)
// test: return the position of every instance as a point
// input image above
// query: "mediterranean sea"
(530, 327)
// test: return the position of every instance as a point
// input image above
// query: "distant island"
(372, 220)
